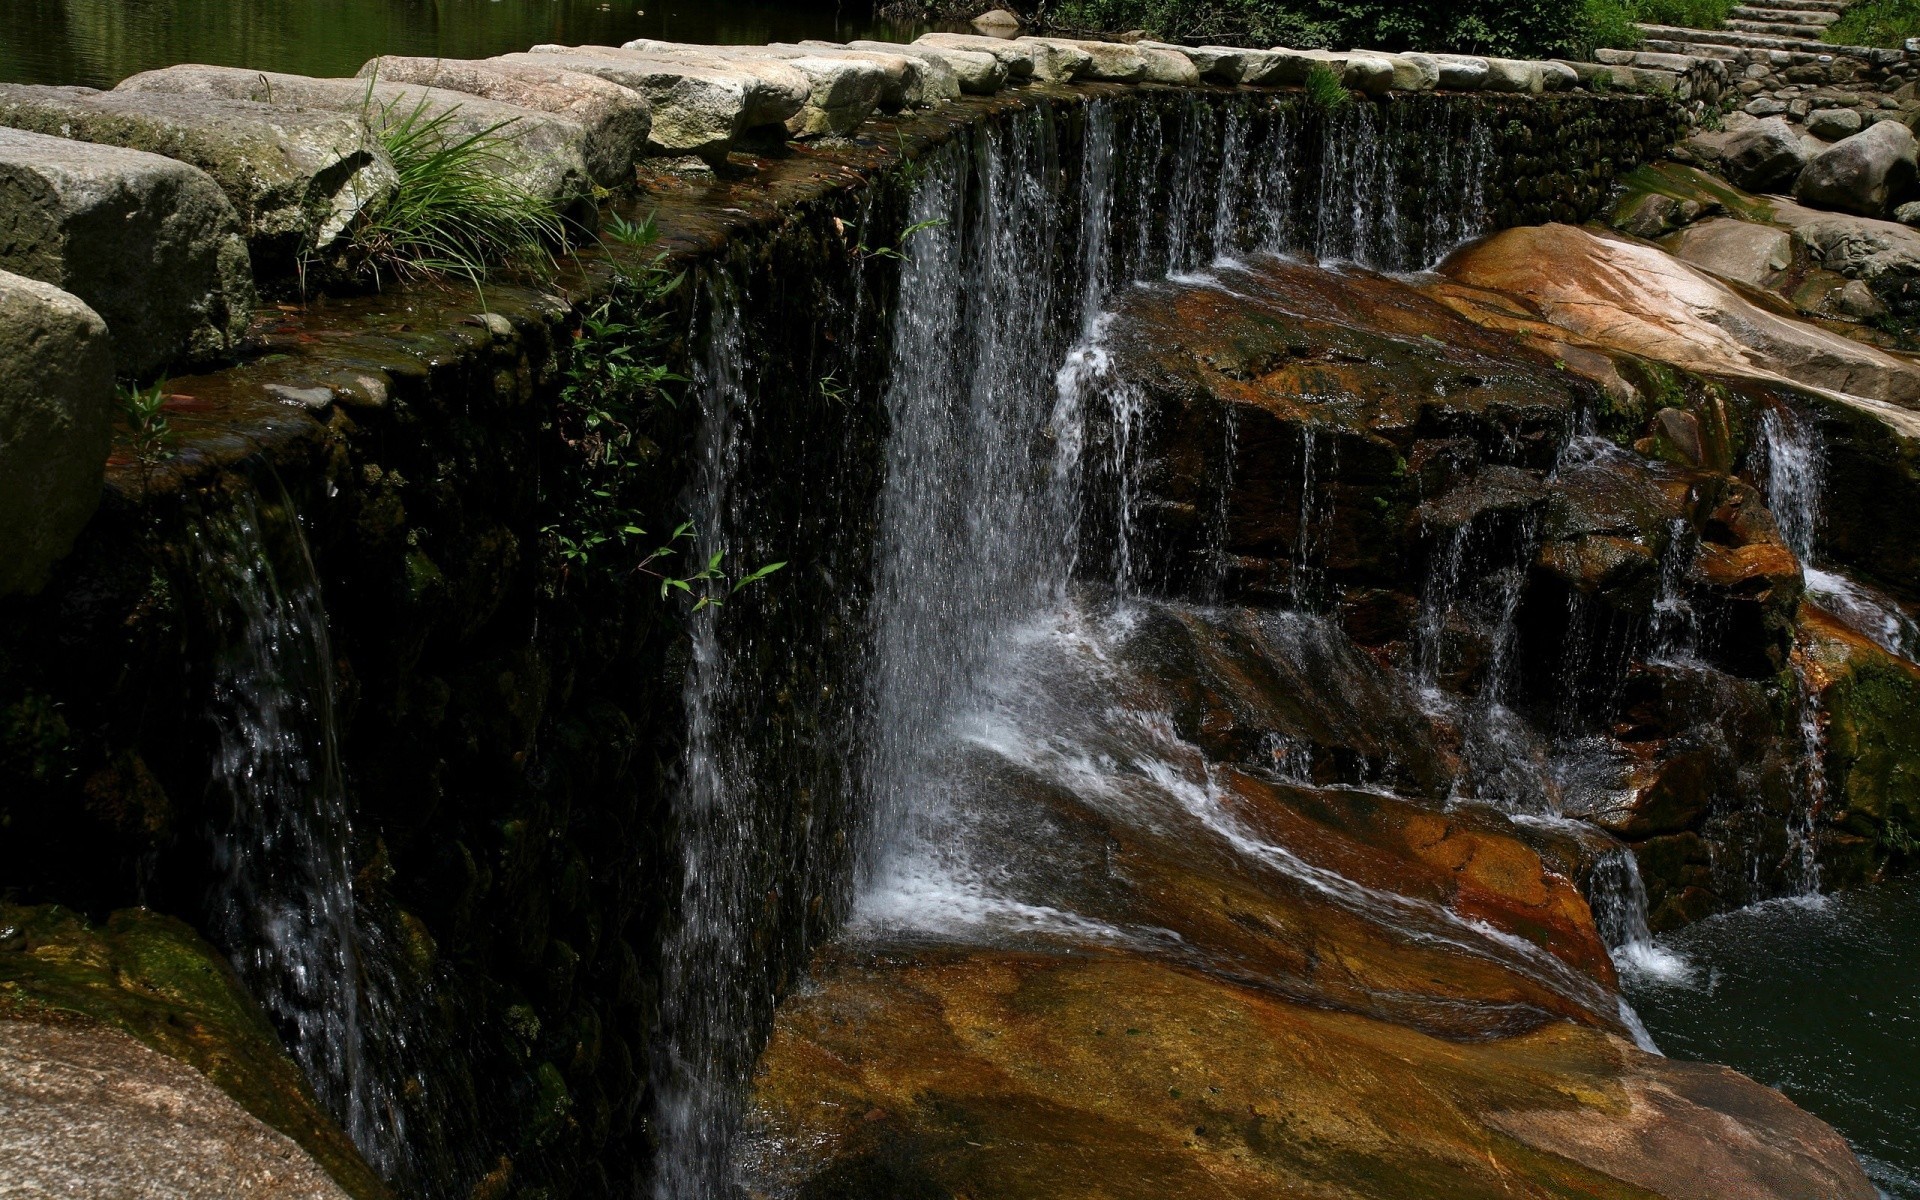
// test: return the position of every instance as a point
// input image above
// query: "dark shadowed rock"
(150, 244)
(299, 178)
(56, 414)
(1870, 173)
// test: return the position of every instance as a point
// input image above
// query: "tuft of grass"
(1325, 91)
(144, 410)
(456, 212)
(1886, 23)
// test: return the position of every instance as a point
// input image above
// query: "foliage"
(144, 410)
(1325, 91)
(1886, 23)
(1503, 27)
(1612, 23)
(456, 211)
(618, 385)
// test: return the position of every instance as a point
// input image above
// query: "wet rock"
(150, 244)
(974, 72)
(1639, 299)
(1762, 157)
(540, 152)
(1742, 251)
(1652, 215)
(86, 1111)
(300, 179)
(1870, 700)
(699, 109)
(57, 407)
(1869, 173)
(144, 980)
(841, 92)
(616, 119)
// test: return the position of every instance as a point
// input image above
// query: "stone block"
(542, 153)
(924, 79)
(697, 108)
(617, 119)
(299, 178)
(841, 92)
(1868, 173)
(56, 423)
(150, 244)
(1017, 57)
(978, 73)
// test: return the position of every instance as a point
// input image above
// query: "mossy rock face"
(1688, 188)
(154, 978)
(1872, 704)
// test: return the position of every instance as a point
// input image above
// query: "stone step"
(1832, 7)
(1727, 54)
(1648, 59)
(1785, 16)
(1778, 29)
(1763, 41)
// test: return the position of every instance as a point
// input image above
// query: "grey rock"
(299, 178)
(841, 92)
(925, 79)
(698, 109)
(1857, 300)
(1462, 72)
(1852, 246)
(1654, 215)
(977, 73)
(1908, 213)
(1743, 251)
(1868, 173)
(1760, 157)
(617, 119)
(1017, 58)
(88, 1111)
(150, 244)
(1832, 124)
(1054, 60)
(997, 19)
(1765, 106)
(1216, 64)
(56, 423)
(541, 153)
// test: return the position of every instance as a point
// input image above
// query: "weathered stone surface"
(842, 92)
(1018, 58)
(1108, 62)
(56, 418)
(697, 108)
(616, 119)
(150, 978)
(923, 79)
(299, 178)
(540, 152)
(976, 73)
(1832, 124)
(88, 1111)
(1056, 61)
(1465, 73)
(1742, 251)
(997, 20)
(1639, 299)
(1871, 701)
(1870, 173)
(1761, 157)
(150, 244)
(1216, 64)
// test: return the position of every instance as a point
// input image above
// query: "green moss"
(1682, 182)
(154, 978)
(1873, 747)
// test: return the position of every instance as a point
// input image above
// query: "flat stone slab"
(151, 244)
(298, 177)
(56, 425)
(88, 1111)
(977, 73)
(698, 108)
(617, 118)
(919, 80)
(542, 153)
(841, 92)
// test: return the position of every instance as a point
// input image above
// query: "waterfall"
(1008, 440)
(285, 911)
(1619, 902)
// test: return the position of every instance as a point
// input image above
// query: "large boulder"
(617, 119)
(1016, 56)
(919, 80)
(1743, 251)
(841, 92)
(150, 244)
(542, 153)
(56, 422)
(299, 178)
(1757, 156)
(698, 108)
(1869, 173)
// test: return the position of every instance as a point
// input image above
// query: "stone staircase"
(1804, 19)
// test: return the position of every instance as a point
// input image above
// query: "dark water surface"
(1820, 1000)
(100, 42)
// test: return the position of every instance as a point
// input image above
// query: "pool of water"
(100, 42)
(1820, 999)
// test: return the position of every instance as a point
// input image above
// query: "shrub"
(1876, 23)
(1501, 27)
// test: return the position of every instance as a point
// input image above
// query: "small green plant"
(144, 410)
(456, 211)
(637, 234)
(1325, 91)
